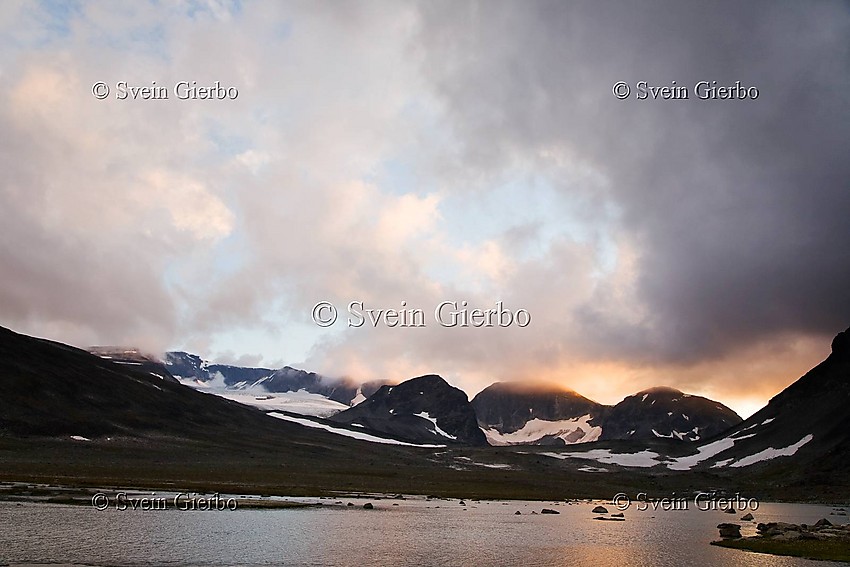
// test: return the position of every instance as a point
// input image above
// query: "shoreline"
(255, 497)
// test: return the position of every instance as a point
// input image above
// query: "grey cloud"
(739, 208)
(729, 216)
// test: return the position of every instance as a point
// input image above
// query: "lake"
(414, 531)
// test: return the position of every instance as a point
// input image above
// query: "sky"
(405, 153)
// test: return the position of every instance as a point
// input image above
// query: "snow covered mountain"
(287, 388)
(521, 413)
(191, 366)
(513, 413)
(667, 412)
(421, 410)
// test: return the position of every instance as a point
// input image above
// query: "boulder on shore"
(729, 531)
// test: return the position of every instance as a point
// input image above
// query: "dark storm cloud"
(738, 209)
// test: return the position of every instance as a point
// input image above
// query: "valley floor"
(261, 468)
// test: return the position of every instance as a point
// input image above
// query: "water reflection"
(415, 532)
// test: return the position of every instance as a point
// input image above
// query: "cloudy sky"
(440, 151)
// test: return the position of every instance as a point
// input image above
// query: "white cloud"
(386, 153)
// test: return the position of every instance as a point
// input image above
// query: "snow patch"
(575, 430)
(301, 402)
(771, 453)
(592, 469)
(746, 429)
(346, 432)
(704, 453)
(643, 459)
(437, 430)
(358, 397)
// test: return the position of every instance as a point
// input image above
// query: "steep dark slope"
(802, 436)
(424, 409)
(51, 389)
(136, 360)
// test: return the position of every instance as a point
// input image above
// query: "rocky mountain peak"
(841, 344)
(422, 409)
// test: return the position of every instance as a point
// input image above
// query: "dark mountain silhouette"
(514, 412)
(667, 412)
(134, 359)
(547, 414)
(54, 390)
(801, 437)
(424, 409)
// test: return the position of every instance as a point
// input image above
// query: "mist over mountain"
(287, 379)
(136, 359)
(508, 413)
(514, 413)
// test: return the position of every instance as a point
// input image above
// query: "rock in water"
(368, 506)
(549, 511)
(729, 510)
(729, 531)
(747, 517)
(600, 510)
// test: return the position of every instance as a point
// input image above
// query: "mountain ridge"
(422, 409)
